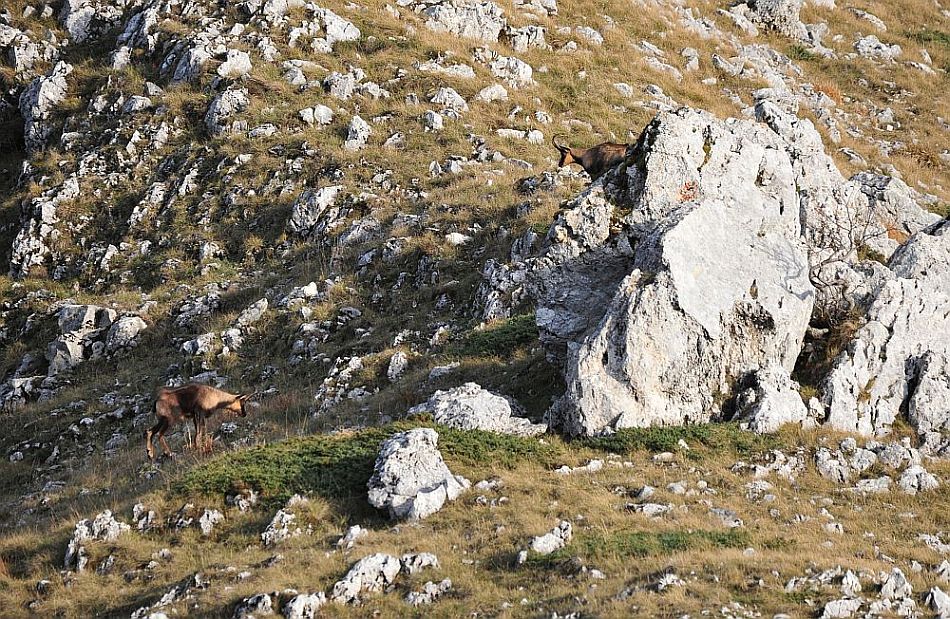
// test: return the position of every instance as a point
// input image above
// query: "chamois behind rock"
(192, 401)
(595, 160)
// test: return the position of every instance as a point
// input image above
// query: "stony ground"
(330, 206)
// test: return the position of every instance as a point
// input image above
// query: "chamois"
(192, 401)
(595, 160)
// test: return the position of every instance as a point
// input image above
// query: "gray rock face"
(304, 606)
(37, 103)
(939, 602)
(472, 19)
(397, 365)
(89, 332)
(719, 287)
(523, 39)
(284, 523)
(469, 407)
(928, 409)
(209, 519)
(516, 72)
(103, 527)
(541, 7)
(895, 585)
(237, 64)
(31, 247)
(308, 217)
(450, 99)
(897, 214)
(556, 539)
(87, 19)
(772, 401)
(410, 479)
(916, 479)
(191, 64)
(357, 135)
(124, 333)
(223, 107)
(694, 264)
(16, 392)
(780, 15)
(900, 355)
(871, 47)
(430, 593)
(342, 85)
(254, 606)
(840, 609)
(335, 28)
(372, 573)
(415, 563)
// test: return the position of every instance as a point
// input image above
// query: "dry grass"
(477, 544)
(829, 88)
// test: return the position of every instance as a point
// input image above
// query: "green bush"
(338, 467)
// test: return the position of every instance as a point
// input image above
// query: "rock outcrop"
(223, 107)
(90, 332)
(39, 100)
(410, 479)
(716, 287)
(469, 407)
(667, 286)
(482, 20)
(373, 573)
(772, 401)
(103, 527)
(31, 247)
(899, 359)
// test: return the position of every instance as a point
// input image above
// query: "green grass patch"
(338, 466)
(648, 543)
(800, 52)
(638, 544)
(716, 436)
(927, 35)
(503, 338)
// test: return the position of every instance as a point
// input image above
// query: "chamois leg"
(197, 431)
(159, 428)
(201, 422)
(161, 439)
(149, 448)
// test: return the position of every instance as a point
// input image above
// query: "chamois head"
(236, 406)
(566, 157)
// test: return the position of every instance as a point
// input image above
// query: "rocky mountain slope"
(484, 384)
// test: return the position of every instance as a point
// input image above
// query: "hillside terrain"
(713, 381)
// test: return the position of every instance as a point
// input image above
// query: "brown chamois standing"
(595, 160)
(193, 401)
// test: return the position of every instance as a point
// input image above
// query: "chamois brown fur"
(193, 401)
(595, 160)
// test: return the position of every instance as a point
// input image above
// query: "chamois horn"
(560, 147)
